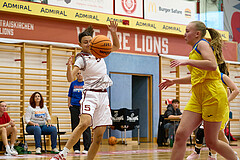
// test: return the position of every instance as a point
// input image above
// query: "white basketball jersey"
(94, 71)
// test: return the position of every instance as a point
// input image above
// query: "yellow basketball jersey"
(200, 75)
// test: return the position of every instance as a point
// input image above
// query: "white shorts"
(96, 104)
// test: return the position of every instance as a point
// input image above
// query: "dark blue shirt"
(75, 92)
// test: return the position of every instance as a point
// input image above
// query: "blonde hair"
(216, 41)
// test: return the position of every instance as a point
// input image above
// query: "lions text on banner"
(131, 40)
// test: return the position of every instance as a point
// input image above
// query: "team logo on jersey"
(129, 6)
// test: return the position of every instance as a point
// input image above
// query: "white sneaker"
(38, 150)
(7, 154)
(11, 152)
(84, 152)
(194, 155)
(77, 152)
(14, 151)
(55, 150)
(58, 156)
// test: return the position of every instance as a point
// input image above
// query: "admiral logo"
(114, 19)
(53, 11)
(187, 13)
(16, 6)
(151, 25)
(87, 16)
(173, 28)
(129, 6)
(152, 7)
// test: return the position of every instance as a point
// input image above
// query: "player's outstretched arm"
(207, 63)
(113, 28)
(232, 86)
(69, 69)
(71, 72)
(167, 83)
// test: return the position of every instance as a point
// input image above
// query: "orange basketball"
(112, 140)
(100, 46)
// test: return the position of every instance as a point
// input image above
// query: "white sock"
(12, 146)
(8, 148)
(214, 156)
(65, 151)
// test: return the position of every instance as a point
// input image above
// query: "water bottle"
(171, 141)
(25, 146)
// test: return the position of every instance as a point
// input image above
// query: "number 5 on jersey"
(87, 108)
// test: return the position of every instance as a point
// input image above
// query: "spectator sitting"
(173, 112)
(7, 127)
(36, 117)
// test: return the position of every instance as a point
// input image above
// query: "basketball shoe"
(193, 156)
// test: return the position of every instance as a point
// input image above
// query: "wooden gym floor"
(132, 151)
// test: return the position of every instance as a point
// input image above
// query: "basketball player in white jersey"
(95, 109)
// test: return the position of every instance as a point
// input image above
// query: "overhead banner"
(43, 10)
(232, 20)
(104, 6)
(131, 41)
(132, 8)
(173, 11)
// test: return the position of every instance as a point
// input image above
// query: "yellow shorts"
(209, 99)
(225, 120)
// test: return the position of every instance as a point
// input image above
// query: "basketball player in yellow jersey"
(229, 85)
(209, 99)
(232, 92)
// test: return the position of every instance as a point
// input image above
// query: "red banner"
(132, 41)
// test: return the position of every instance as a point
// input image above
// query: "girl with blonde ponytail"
(208, 102)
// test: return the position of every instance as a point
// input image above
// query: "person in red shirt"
(7, 127)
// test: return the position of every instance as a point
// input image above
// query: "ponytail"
(223, 68)
(87, 32)
(216, 43)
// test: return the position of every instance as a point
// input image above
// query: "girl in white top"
(37, 115)
(39, 122)
(95, 109)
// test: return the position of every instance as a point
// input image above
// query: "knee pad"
(199, 136)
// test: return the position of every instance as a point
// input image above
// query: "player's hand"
(113, 26)
(70, 60)
(176, 63)
(49, 124)
(164, 85)
(36, 124)
(12, 123)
